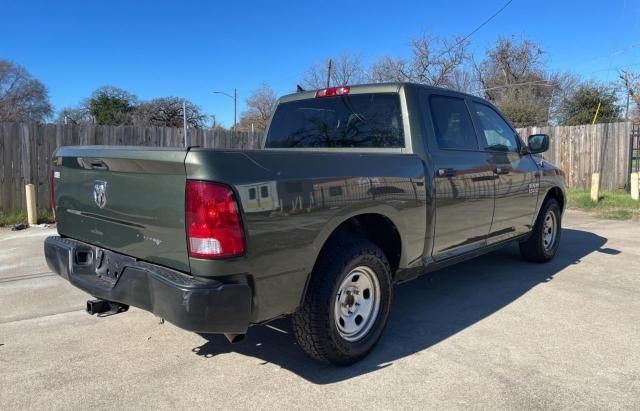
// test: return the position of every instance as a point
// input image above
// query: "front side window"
(497, 134)
(358, 120)
(452, 123)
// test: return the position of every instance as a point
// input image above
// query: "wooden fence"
(26, 149)
(583, 150)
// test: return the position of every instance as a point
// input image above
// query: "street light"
(235, 103)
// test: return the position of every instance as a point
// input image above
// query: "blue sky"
(189, 48)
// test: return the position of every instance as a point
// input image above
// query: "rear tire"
(347, 303)
(543, 243)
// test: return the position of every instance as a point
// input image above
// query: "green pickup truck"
(355, 189)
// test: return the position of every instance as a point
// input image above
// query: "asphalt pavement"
(491, 333)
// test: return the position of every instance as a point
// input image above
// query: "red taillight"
(52, 198)
(213, 222)
(333, 91)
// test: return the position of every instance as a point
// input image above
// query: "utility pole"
(329, 74)
(235, 104)
(625, 78)
(184, 122)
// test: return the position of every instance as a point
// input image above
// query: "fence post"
(32, 210)
(635, 186)
(595, 187)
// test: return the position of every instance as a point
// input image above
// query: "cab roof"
(370, 88)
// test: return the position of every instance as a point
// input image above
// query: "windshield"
(361, 120)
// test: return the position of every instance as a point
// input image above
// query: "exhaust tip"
(234, 338)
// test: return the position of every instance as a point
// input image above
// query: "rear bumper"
(191, 303)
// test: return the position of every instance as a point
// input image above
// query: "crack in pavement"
(27, 277)
(17, 320)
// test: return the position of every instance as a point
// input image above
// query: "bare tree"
(514, 77)
(634, 92)
(74, 115)
(628, 85)
(463, 79)
(563, 85)
(22, 97)
(389, 69)
(345, 69)
(167, 112)
(260, 106)
(215, 125)
(436, 59)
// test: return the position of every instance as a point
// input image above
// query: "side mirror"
(538, 143)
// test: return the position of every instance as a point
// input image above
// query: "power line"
(484, 23)
(617, 68)
(465, 38)
(608, 56)
(541, 83)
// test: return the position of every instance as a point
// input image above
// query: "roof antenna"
(299, 88)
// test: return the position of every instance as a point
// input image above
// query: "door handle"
(446, 172)
(502, 170)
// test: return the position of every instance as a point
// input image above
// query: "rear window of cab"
(372, 120)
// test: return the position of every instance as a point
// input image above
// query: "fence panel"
(26, 149)
(583, 150)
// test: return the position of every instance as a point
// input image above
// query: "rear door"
(125, 199)
(517, 177)
(463, 177)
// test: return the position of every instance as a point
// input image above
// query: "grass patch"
(615, 205)
(7, 219)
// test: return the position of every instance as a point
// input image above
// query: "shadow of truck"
(425, 312)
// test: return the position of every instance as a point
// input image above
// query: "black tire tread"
(311, 324)
(532, 249)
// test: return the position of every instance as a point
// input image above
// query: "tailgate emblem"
(100, 193)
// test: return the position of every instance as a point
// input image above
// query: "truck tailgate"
(126, 199)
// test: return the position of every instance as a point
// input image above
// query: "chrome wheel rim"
(357, 303)
(549, 230)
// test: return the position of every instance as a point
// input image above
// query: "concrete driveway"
(494, 332)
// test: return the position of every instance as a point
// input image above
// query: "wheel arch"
(558, 194)
(375, 227)
(388, 238)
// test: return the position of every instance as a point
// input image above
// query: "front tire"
(347, 303)
(543, 243)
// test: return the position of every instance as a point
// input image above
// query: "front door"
(517, 176)
(463, 178)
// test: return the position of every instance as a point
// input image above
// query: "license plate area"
(104, 264)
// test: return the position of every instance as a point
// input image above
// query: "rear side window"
(452, 123)
(359, 120)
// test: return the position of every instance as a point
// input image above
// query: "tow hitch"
(104, 308)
